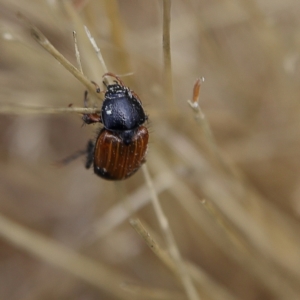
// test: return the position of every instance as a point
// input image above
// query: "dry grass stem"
(87, 50)
(131, 204)
(200, 116)
(227, 199)
(26, 110)
(67, 259)
(118, 35)
(45, 43)
(236, 144)
(153, 245)
(152, 293)
(77, 53)
(268, 274)
(203, 122)
(229, 230)
(207, 285)
(97, 49)
(171, 244)
(168, 91)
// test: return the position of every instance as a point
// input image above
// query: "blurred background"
(232, 200)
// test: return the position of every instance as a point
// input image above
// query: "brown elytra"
(114, 160)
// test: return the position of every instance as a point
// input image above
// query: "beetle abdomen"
(114, 160)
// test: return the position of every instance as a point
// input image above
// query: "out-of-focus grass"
(234, 211)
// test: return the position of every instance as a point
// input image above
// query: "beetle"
(121, 145)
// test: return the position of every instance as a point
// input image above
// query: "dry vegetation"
(232, 199)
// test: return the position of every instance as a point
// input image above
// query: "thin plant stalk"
(27, 109)
(208, 285)
(171, 243)
(77, 53)
(117, 35)
(118, 213)
(65, 258)
(200, 116)
(168, 88)
(96, 48)
(40, 38)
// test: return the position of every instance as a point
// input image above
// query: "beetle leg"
(89, 151)
(70, 158)
(85, 99)
(91, 118)
(86, 93)
(97, 87)
(89, 154)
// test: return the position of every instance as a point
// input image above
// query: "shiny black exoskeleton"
(121, 146)
(122, 112)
